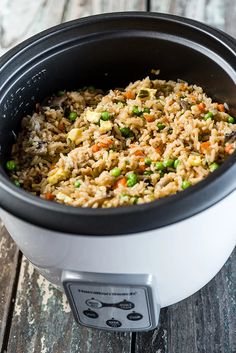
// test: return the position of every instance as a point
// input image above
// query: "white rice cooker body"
(171, 262)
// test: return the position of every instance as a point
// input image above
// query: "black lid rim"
(14, 197)
(197, 25)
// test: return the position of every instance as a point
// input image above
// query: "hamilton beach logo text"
(105, 293)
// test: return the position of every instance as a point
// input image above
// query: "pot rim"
(18, 197)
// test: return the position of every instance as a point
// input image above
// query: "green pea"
(136, 111)
(160, 166)
(148, 161)
(60, 93)
(146, 110)
(186, 184)
(132, 179)
(208, 115)
(231, 120)
(17, 183)
(72, 116)
(176, 163)
(91, 88)
(213, 167)
(77, 184)
(135, 200)
(147, 172)
(161, 173)
(105, 116)
(11, 165)
(160, 126)
(126, 132)
(143, 93)
(115, 172)
(169, 163)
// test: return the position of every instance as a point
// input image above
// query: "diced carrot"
(95, 148)
(205, 146)
(139, 153)
(102, 145)
(52, 166)
(142, 167)
(149, 118)
(109, 142)
(129, 95)
(49, 196)
(201, 106)
(182, 87)
(158, 150)
(221, 107)
(105, 143)
(120, 182)
(193, 98)
(229, 148)
(61, 126)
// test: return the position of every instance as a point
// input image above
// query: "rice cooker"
(119, 266)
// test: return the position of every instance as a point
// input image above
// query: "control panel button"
(134, 316)
(94, 303)
(113, 323)
(125, 305)
(91, 314)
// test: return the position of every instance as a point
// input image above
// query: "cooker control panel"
(112, 301)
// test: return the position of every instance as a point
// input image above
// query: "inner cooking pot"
(109, 51)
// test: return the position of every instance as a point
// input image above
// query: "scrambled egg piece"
(56, 175)
(105, 126)
(194, 161)
(92, 117)
(75, 135)
(63, 197)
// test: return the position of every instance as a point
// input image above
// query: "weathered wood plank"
(77, 9)
(203, 323)
(8, 264)
(218, 13)
(230, 17)
(22, 19)
(43, 323)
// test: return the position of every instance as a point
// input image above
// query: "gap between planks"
(43, 323)
(11, 304)
(10, 265)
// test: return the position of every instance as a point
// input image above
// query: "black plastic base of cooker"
(110, 51)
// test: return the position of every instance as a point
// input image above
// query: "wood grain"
(218, 13)
(43, 323)
(8, 265)
(203, 323)
(21, 19)
(77, 9)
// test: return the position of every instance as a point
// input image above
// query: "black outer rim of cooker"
(121, 220)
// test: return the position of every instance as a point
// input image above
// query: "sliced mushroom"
(185, 105)
(230, 137)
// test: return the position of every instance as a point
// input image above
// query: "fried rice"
(90, 148)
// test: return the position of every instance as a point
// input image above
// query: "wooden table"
(34, 316)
